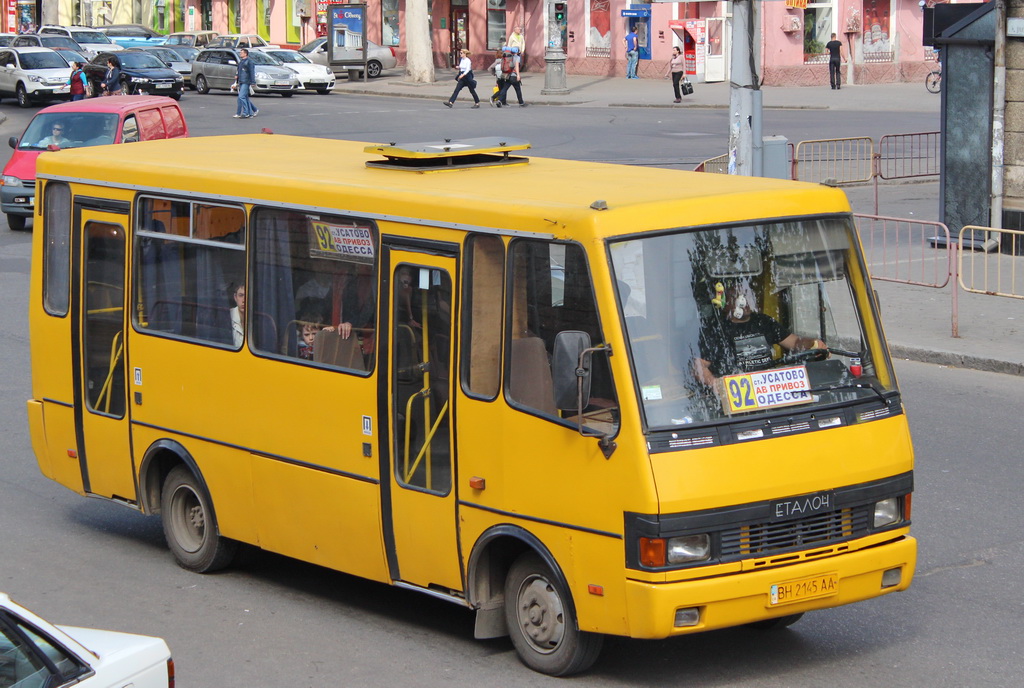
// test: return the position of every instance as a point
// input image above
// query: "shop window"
(599, 33)
(819, 26)
(389, 22)
(495, 24)
(877, 43)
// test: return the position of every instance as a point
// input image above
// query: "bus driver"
(741, 339)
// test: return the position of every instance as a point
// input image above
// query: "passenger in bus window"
(740, 339)
(358, 308)
(238, 314)
(307, 334)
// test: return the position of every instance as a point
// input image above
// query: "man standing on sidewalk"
(835, 58)
(632, 53)
(243, 82)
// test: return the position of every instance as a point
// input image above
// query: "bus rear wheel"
(541, 621)
(189, 525)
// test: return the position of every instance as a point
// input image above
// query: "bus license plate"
(822, 585)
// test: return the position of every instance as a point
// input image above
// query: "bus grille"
(766, 539)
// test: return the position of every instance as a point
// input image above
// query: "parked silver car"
(216, 68)
(378, 58)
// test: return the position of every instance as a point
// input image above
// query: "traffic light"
(560, 12)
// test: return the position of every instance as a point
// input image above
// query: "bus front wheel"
(189, 525)
(541, 621)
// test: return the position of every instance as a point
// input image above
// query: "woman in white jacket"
(464, 80)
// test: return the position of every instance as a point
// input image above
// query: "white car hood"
(310, 71)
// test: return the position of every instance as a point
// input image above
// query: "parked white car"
(36, 654)
(33, 74)
(314, 77)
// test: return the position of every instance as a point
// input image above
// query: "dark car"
(141, 73)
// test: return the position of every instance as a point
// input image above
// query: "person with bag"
(464, 79)
(244, 80)
(111, 84)
(678, 69)
(78, 82)
(510, 76)
(495, 69)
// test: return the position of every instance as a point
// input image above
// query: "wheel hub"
(541, 614)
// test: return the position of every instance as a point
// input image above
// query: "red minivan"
(90, 122)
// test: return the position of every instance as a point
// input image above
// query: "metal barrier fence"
(911, 252)
(999, 273)
(903, 156)
(856, 160)
(842, 161)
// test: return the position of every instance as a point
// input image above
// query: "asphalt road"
(273, 621)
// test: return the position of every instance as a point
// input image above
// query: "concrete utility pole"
(998, 117)
(419, 58)
(745, 139)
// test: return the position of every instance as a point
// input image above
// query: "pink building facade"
(884, 37)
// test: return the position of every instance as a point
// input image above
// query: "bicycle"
(933, 82)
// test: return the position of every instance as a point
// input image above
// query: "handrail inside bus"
(103, 398)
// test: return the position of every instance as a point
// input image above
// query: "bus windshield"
(745, 321)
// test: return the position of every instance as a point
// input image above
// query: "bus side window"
(189, 255)
(551, 292)
(314, 288)
(481, 313)
(56, 247)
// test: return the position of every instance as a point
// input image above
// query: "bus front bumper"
(746, 597)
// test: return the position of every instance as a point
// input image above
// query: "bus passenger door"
(98, 346)
(422, 535)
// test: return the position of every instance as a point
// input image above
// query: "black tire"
(17, 222)
(190, 526)
(176, 96)
(373, 69)
(542, 621)
(776, 623)
(201, 86)
(24, 99)
(933, 82)
(127, 88)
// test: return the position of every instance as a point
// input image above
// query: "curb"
(956, 360)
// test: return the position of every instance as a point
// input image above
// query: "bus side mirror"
(569, 377)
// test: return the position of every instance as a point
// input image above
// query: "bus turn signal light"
(652, 552)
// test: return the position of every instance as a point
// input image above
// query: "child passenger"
(307, 334)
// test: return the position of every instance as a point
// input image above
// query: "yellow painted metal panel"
(324, 519)
(733, 600)
(744, 473)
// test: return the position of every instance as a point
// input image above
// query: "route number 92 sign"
(767, 389)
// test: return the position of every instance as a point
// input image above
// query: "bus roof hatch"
(449, 154)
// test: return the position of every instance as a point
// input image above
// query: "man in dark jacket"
(243, 82)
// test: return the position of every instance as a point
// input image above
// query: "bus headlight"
(887, 512)
(687, 548)
(658, 553)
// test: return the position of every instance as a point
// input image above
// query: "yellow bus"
(579, 399)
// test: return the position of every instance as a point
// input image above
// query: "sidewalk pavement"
(601, 91)
(917, 320)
